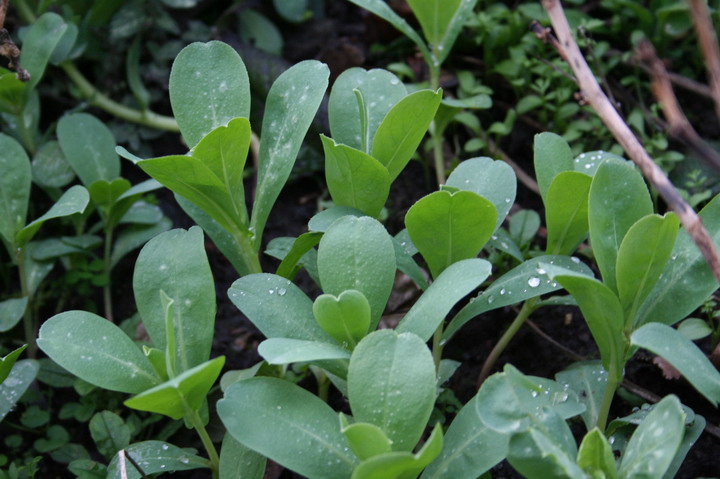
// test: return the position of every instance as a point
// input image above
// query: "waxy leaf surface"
(595, 456)
(566, 211)
(14, 187)
(175, 262)
(588, 379)
(238, 461)
(287, 351)
(89, 147)
(154, 457)
(391, 383)
(357, 253)
(288, 424)
(448, 227)
(209, 86)
(11, 312)
(346, 317)
(552, 155)
(41, 40)
(74, 200)
(97, 351)
(14, 386)
(290, 107)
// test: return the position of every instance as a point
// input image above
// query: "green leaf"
(293, 11)
(618, 198)
(691, 328)
(289, 425)
(290, 107)
(523, 226)
(209, 86)
(405, 261)
(552, 155)
(322, 221)
(7, 362)
(277, 307)
(602, 311)
(40, 41)
(290, 264)
(175, 262)
(74, 200)
(135, 236)
(229, 245)
(240, 462)
(12, 92)
(461, 17)
(365, 440)
(15, 385)
(653, 445)
(692, 433)
(11, 312)
(383, 10)
(453, 284)
(211, 177)
(354, 178)
(401, 465)
(642, 256)
(525, 281)
(683, 355)
(357, 253)
(595, 456)
(403, 128)
(391, 383)
(50, 169)
(510, 402)
(566, 211)
(287, 351)
(346, 317)
(588, 379)
(257, 30)
(448, 227)
(493, 180)
(686, 281)
(89, 147)
(14, 187)
(434, 17)
(380, 90)
(36, 271)
(104, 193)
(155, 457)
(109, 432)
(97, 351)
(471, 448)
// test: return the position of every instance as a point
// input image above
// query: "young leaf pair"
(210, 96)
(175, 295)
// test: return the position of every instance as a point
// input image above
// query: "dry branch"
(709, 46)
(678, 125)
(569, 50)
(8, 49)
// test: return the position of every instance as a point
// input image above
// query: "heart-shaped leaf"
(104, 193)
(366, 440)
(345, 317)
(448, 227)
(209, 86)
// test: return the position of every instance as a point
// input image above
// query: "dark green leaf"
(109, 432)
(50, 168)
(40, 41)
(74, 200)
(14, 188)
(11, 312)
(552, 155)
(154, 457)
(89, 147)
(240, 462)
(566, 211)
(14, 386)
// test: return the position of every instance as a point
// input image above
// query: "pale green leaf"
(73, 201)
(89, 147)
(14, 187)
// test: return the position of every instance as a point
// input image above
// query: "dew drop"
(533, 282)
(502, 291)
(281, 291)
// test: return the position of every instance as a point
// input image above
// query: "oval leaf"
(74, 200)
(154, 457)
(566, 211)
(552, 155)
(89, 147)
(14, 187)
(287, 351)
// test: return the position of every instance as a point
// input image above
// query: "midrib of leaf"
(178, 321)
(459, 451)
(636, 304)
(563, 235)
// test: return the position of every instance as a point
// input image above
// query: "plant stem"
(437, 346)
(249, 256)
(437, 140)
(612, 385)
(28, 320)
(194, 418)
(107, 271)
(525, 312)
(26, 135)
(323, 384)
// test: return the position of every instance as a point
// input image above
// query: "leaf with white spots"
(590, 161)
(97, 351)
(683, 354)
(89, 147)
(380, 90)
(153, 457)
(290, 107)
(209, 86)
(289, 425)
(176, 263)
(391, 384)
(653, 445)
(14, 187)
(14, 386)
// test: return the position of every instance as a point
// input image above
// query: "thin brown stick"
(8, 49)
(569, 50)
(678, 125)
(678, 80)
(3, 11)
(522, 176)
(709, 46)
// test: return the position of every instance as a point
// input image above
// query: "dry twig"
(678, 125)
(569, 50)
(8, 49)
(709, 46)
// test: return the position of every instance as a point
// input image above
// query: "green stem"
(28, 320)
(107, 270)
(194, 418)
(250, 259)
(437, 140)
(525, 312)
(613, 381)
(323, 385)
(437, 346)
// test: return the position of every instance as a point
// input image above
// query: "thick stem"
(107, 271)
(249, 255)
(28, 320)
(612, 385)
(525, 312)
(194, 418)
